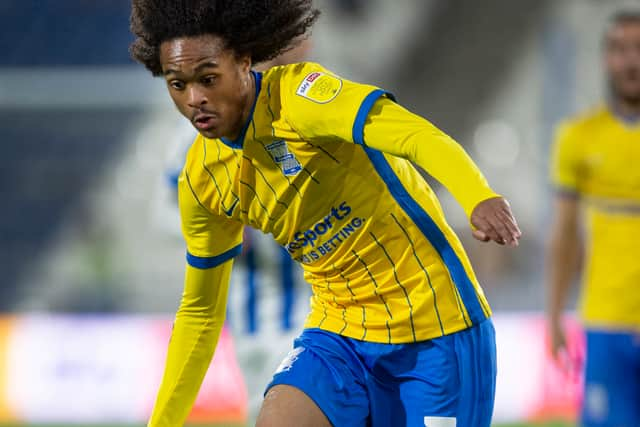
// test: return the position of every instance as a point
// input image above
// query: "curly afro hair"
(262, 29)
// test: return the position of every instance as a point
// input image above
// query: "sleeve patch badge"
(320, 87)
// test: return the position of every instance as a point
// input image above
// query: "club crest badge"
(283, 158)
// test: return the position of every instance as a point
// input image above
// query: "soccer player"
(595, 165)
(399, 330)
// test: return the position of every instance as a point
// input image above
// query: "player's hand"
(568, 362)
(557, 339)
(493, 220)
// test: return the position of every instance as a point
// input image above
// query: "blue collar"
(626, 119)
(629, 119)
(237, 143)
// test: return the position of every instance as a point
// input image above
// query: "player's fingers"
(557, 346)
(480, 235)
(506, 224)
(500, 207)
(510, 222)
(484, 226)
(498, 226)
(503, 231)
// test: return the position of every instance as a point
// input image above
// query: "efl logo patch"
(283, 158)
(320, 87)
(439, 422)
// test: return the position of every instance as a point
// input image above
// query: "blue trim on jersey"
(205, 263)
(239, 141)
(417, 214)
(363, 112)
(626, 119)
(568, 192)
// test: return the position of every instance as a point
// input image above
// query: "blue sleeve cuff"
(204, 263)
(568, 192)
(363, 112)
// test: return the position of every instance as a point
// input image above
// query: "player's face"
(210, 85)
(622, 58)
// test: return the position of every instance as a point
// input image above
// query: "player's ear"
(244, 61)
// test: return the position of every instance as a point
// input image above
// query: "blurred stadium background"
(91, 259)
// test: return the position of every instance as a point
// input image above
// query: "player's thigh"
(287, 406)
(477, 368)
(444, 382)
(322, 375)
(612, 380)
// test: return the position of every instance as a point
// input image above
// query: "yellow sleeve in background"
(194, 338)
(392, 129)
(564, 160)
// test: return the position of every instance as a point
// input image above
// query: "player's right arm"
(562, 263)
(563, 252)
(212, 243)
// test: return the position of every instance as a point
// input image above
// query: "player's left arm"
(392, 129)
(320, 105)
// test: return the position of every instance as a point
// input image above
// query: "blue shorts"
(612, 380)
(444, 382)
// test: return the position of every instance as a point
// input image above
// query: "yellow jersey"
(596, 157)
(319, 166)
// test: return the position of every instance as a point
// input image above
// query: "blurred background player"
(323, 164)
(596, 171)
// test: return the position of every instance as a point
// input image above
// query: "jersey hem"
(609, 326)
(406, 339)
